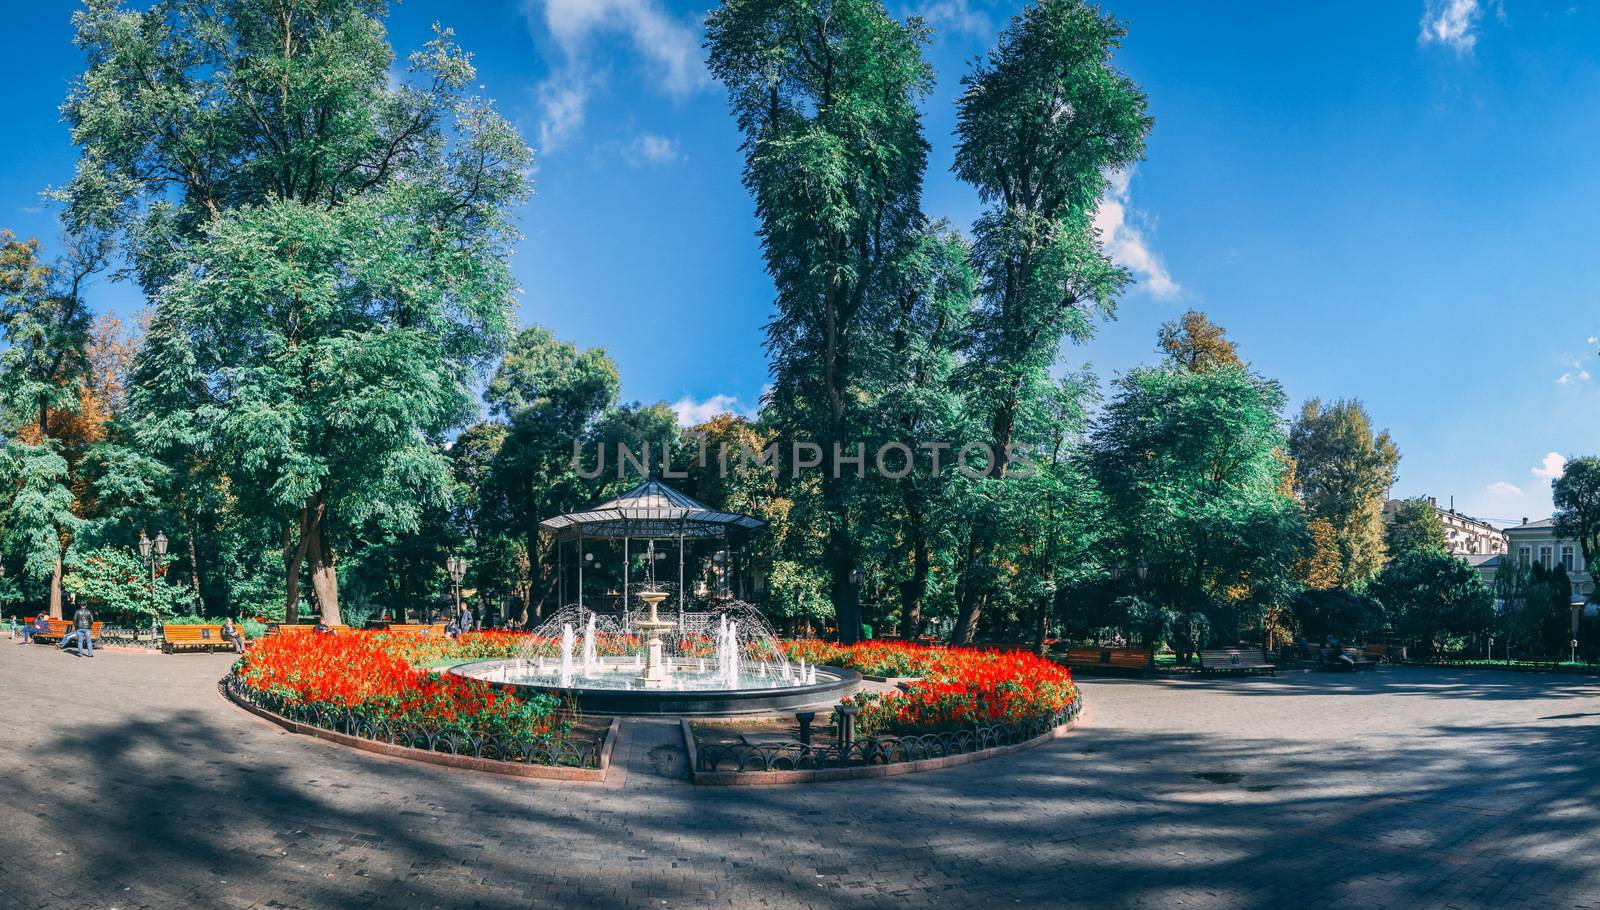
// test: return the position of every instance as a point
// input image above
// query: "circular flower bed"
(955, 688)
(383, 676)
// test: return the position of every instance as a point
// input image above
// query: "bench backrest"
(417, 628)
(1085, 655)
(1233, 657)
(1130, 657)
(193, 633)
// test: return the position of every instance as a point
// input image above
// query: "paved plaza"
(131, 783)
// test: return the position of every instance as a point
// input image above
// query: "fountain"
(654, 675)
(730, 662)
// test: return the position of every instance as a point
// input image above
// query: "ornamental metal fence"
(873, 750)
(533, 750)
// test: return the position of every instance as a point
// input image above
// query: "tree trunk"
(324, 578)
(966, 631)
(55, 589)
(194, 563)
(970, 594)
(913, 590)
(294, 553)
(1042, 632)
(846, 596)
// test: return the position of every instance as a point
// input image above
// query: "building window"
(1566, 558)
(1524, 556)
(1544, 558)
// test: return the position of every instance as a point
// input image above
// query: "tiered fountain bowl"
(731, 664)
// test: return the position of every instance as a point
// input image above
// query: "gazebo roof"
(651, 509)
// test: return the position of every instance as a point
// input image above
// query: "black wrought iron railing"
(874, 750)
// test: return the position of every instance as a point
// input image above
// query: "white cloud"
(1593, 340)
(692, 412)
(670, 47)
(1575, 373)
(1551, 467)
(955, 16)
(1500, 489)
(562, 105)
(653, 149)
(1452, 23)
(1126, 243)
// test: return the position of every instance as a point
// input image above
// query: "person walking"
(82, 633)
(464, 621)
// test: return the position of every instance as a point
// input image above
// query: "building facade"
(1536, 542)
(1464, 535)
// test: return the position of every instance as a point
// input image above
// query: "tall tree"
(914, 511)
(1343, 471)
(1044, 118)
(550, 395)
(327, 244)
(45, 379)
(1434, 599)
(1576, 494)
(1192, 463)
(826, 93)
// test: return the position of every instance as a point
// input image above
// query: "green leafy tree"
(550, 396)
(912, 513)
(1318, 613)
(1042, 121)
(1434, 600)
(116, 581)
(825, 93)
(1413, 525)
(44, 379)
(1576, 494)
(327, 245)
(1343, 471)
(1193, 468)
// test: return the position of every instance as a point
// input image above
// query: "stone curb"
(445, 759)
(822, 775)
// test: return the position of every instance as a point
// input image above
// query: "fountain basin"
(614, 688)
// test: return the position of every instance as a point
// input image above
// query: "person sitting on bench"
(1336, 657)
(40, 626)
(230, 633)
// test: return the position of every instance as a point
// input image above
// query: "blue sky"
(1395, 201)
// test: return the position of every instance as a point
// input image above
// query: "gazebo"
(650, 512)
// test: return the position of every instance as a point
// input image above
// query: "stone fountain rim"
(709, 702)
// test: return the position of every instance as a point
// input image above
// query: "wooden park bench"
(175, 638)
(59, 629)
(1139, 660)
(1235, 660)
(303, 628)
(1360, 659)
(400, 628)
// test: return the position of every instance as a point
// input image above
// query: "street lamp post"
(457, 567)
(1577, 615)
(151, 551)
